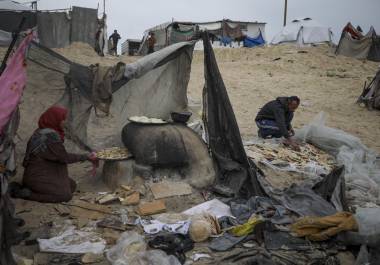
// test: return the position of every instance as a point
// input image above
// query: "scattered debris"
(132, 199)
(169, 189)
(150, 208)
(213, 207)
(107, 199)
(92, 258)
(73, 241)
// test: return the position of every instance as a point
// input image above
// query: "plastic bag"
(73, 241)
(127, 245)
(326, 138)
(130, 249)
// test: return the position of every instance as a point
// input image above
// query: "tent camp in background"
(223, 33)
(353, 43)
(56, 28)
(303, 32)
(130, 46)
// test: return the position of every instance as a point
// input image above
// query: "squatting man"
(275, 117)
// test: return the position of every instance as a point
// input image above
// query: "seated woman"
(46, 176)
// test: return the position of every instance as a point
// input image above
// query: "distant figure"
(151, 42)
(115, 37)
(275, 117)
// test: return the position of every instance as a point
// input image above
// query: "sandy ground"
(323, 81)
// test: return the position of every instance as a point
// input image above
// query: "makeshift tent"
(371, 93)
(353, 44)
(223, 33)
(303, 32)
(253, 42)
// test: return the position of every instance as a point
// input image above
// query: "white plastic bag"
(127, 246)
(73, 241)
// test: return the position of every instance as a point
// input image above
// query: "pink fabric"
(12, 82)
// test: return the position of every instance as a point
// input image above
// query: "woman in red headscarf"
(46, 176)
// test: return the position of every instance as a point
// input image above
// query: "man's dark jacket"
(278, 110)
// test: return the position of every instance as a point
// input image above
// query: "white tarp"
(303, 31)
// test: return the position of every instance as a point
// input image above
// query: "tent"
(223, 33)
(56, 29)
(303, 32)
(371, 93)
(253, 42)
(353, 43)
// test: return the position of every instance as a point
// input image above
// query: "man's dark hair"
(294, 98)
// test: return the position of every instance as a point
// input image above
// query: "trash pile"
(283, 166)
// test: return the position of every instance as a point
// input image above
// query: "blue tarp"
(252, 42)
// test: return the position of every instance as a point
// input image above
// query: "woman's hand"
(92, 157)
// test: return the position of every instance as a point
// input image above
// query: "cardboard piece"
(150, 208)
(132, 199)
(169, 189)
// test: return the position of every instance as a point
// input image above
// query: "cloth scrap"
(322, 228)
(248, 227)
(225, 242)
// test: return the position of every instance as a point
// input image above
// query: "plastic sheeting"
(53, 29)
(362, 165)
(253, 42)
(73, 241)
(84, 25)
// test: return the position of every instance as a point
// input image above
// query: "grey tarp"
(84, 25)
(5, 38)
(358, 46)
(350, 47)
(374, 52)
(10, 20)
(235, 170)
(53, 29)
(153, 86)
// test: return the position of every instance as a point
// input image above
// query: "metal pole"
(104, 7)
(285, 11)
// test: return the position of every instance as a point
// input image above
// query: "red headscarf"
(52, 118)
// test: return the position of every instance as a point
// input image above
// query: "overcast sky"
(132, 18)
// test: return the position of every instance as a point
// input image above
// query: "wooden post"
(285, 11)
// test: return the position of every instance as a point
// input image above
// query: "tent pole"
(285, 11)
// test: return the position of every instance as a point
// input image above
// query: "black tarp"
(10, 20)
(235, 170)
